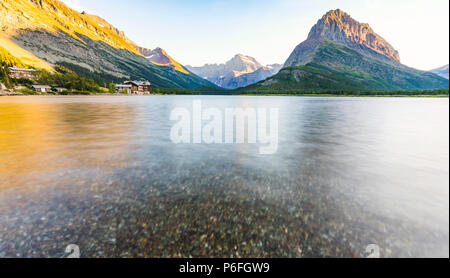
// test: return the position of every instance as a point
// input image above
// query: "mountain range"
(47, 33)
(240, 71)
(339, 53)
(342, 54)
(442, 71)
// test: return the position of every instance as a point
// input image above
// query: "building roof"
(138, 83)
(122, 86)
(41, 86)
(21, 69)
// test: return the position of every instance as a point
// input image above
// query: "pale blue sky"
(196, 32)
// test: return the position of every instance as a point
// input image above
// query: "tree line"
(435, 92)
(65, 78)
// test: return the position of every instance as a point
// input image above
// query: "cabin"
(41, 88)
(60, 89)
(18, 73)
(139, 87)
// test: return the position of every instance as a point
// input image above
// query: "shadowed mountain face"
(442, 71)
(343, 54)
(240, 71)
(46, 33)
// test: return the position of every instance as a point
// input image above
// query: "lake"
(102, 173)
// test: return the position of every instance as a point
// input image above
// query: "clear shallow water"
(101, 172)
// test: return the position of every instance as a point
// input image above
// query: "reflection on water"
(101, 172)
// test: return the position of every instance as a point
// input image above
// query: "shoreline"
(243, 95)
(331, 95)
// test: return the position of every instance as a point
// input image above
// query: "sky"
(196, 32)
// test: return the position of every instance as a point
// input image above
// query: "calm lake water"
(102, 173)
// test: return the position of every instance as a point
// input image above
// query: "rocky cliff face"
(45, 33)
(240, 71)
(340, 27)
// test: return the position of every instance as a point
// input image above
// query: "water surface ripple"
(102, 173)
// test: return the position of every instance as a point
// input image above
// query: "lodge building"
(18, 73)
(134, 87)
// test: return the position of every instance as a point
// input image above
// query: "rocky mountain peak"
(338, 26)
(240, 71)
(342, 53)
(242, 64)
(159, 56)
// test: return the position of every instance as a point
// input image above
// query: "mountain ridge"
(241, 70)
(338, 26)
(342, 54)
(442, 71)
(47, 33)
(159, 57)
